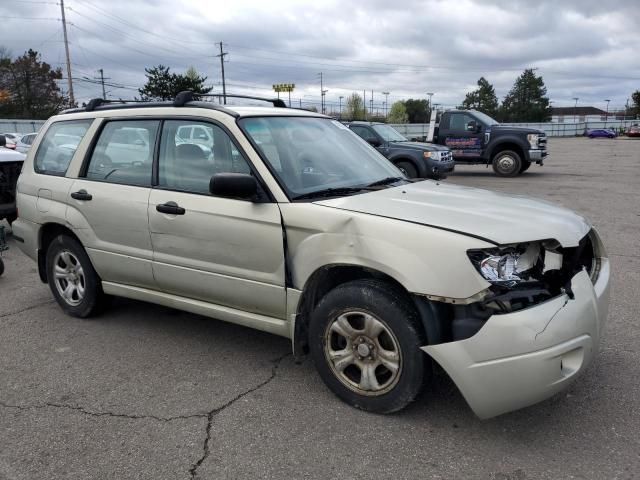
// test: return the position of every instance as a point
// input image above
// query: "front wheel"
(72, 279)
(365, 340)
(507, 163)
(408, 169)
(525, 166)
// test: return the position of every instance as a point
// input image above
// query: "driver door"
(223, 251)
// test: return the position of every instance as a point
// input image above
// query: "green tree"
(527, 100)
(398, 113)
(483, 99)
(354, 108)
(29, 87)
(163, 85)
(635, 106)
(418, 111)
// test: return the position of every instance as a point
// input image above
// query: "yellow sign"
(284, 87)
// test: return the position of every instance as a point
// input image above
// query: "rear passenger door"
(108, 203)
(220, 250)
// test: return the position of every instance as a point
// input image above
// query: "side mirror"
(374, 142)
(233, 185)
(3, 141)
(472, 126)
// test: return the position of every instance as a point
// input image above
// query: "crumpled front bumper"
(521, 358)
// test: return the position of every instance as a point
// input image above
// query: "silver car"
(296, 226)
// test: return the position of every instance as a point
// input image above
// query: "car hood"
(7, 155)
(496, 217)
(509, 129)
(423, 147)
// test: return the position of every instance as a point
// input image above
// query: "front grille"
(9, 172)
(542, 142)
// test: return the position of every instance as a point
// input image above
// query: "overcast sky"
(582, 48)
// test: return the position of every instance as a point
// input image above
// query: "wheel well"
(48, 232)
(321, 282)
(508, 146)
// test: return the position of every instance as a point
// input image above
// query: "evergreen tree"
(418, 111)
(483, 99)
(164, 85)
(527, 100)
(28, 87)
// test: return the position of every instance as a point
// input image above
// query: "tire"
(76, 276)
(507, 163)
(525, 166)
(12, 218)
(408, 169)
(352, 309)
(1, 267)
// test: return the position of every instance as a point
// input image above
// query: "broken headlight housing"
(511, 265)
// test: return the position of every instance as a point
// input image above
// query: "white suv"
(288, 222)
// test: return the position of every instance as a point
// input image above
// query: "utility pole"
(340, 107)
(606, 117)
(386, 103)
(371, 102)
(72, 99)
(575, 108)
(224, 85)
(364, 104)
(321, 94)
(104, 94)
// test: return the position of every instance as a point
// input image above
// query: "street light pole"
(340, 107)
(606, 117)
(575, 107)
(386, 104)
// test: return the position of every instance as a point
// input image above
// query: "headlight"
(532, 138)
(509, 266)
(428, 154)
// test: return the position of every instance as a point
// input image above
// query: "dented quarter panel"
(418, 257)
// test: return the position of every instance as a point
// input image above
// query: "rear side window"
(124, 153)
(58, 146)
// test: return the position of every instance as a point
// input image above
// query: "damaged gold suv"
(286, 221)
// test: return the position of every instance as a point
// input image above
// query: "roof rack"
(181, 100)
(188, 96)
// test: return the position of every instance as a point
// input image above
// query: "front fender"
(424, 260)
(411, 156)
(494, 144)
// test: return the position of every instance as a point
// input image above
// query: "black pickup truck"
(414, 159)
(477, 139)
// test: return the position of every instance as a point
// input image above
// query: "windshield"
(389, 134)
(485, 119)
(309, 154)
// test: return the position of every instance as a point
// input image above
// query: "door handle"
(82, 195)
(171, 208)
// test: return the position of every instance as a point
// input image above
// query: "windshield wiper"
(385, 181)
(329, 192)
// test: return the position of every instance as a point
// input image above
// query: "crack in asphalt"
(193, 471)
(31, 307)
(101, 414)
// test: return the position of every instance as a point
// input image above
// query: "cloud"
(581, 48)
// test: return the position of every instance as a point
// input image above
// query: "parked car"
(11, 140)
(24, 143)
(414, 159)
(633, 131)
(477, 139)
(10, 166)
(601, 133)
(299, 228)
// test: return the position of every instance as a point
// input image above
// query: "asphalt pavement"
(147, 392)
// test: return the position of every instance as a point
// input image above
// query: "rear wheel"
(365, 340)
(408, 169)
(507, 163)
(72, 279)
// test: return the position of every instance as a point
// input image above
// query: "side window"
(364, 132)
(189, 164)
(459, 122)
(58, 146)
(124, 153)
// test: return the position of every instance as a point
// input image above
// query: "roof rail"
(188, 96)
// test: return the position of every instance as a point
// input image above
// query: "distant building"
(579, 114)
